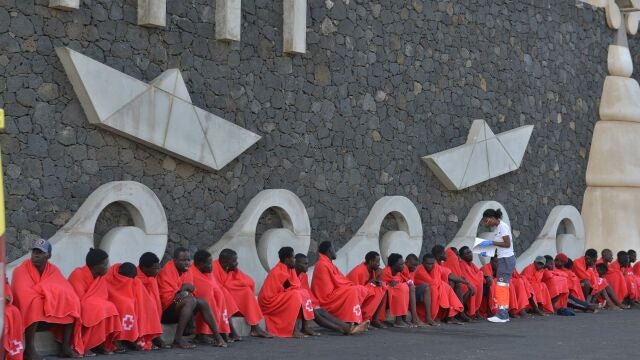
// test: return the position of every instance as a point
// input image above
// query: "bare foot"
(377, 324)
(161, 344)
(258, 332)
(298, 334)
(360, 328)
(89, 353)
(66, 352)
(102, 350)
(433, 323)
(514, 315)
(182, 344)
(399, 324)
(219, 341)
(203, 339)
(454, 321)
(235, 337)
(310, 332)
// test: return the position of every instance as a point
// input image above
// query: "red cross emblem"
(127, 322)
(16, 347)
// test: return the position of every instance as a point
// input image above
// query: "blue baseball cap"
(42, 245)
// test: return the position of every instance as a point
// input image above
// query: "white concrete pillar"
(152, 13)
(294, 26)
(64, 4)
(228, 19)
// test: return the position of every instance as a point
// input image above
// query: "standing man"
(503, 240)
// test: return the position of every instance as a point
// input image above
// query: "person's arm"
(461, 280)
(505, 243)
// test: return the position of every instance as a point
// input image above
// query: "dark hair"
(411, 257)
(602, 266)
(201, 257)
(548, 257)
(285, 253)
(606, 250)
(148, 259)
(128, 269)
(179, 250)
(324, 247)
(622, 255)
(371, 255)
(490, 213)
(95, 257)
(569, 264)
(300, 256)
(631, 251)
(592, 253)
(437, 250)
(226, 254)
(463, 249)
(393, 259)
(427, 256)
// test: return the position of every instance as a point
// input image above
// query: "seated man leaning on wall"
(175, 284)
(43, 295)
(239, 288)
(148, 269)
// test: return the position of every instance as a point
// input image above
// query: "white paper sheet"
(490, 250)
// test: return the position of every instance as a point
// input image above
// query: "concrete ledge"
(64, 4)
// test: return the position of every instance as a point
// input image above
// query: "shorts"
(420, 290)
(506, 265)
(170, 315)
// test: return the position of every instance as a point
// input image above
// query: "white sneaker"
(495, 319)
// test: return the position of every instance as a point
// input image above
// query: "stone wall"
(383, 82)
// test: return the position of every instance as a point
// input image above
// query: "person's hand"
(376, 282)
(393, 283)
(180, 296)
(472, 290)
(486, 243)
(286, 284)
(187, 287)
(488, 279)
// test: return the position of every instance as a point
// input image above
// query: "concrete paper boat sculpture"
(159, 114)
(485, 155)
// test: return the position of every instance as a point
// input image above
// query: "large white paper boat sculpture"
(484, 156)
(159, 114)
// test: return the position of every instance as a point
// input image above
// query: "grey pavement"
(607, 335)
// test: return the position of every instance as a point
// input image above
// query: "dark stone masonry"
(383, 83)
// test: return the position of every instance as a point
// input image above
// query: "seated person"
(239, 288)
(534, 274)
(368, 274)
(322, 316)
(283, 300)
(633, 282)
(140, 319)
(614, 276)
(175, 284)
(593, 285)
(100, 319)
(207, 288)
(398, 293)
(441, 301)
(448, 261)
(609, 296)
(13, 328)
(470, 272)
(37, 285)
(337, 294)
(411, 263)
(148, 269)
(556, 282)
(576, 297)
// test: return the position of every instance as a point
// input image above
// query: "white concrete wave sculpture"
(468, 232)
(549, 242)
(611, 206)
(159, 114)
(484, 156)
(257, 260)
(126, 243)
(406, 240)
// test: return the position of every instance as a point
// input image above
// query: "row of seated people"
(105, 309)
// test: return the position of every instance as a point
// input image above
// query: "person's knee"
(202, 304)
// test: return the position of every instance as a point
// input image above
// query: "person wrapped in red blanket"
(148, 269)
(139, 317)
(442, 303)
(43, 295)
(368, 274)
(283, 300)
(398, 293)
(322, 316)
(179, 304)
(13, 328)
(449, 263)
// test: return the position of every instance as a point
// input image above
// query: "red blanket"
(170, 281)
(99, 316)
(360, 275)
(472, 274)
(558, 286)
(444, 301)
(13, 328)
(584, 273)
(398, 295)
(137, 310)
(539, 288)
(207, 288)
(281, 306)
(240, 290)
(47, 298)
(616, 279)
(336, 293)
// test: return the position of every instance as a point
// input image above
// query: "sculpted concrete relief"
(228, 19)
(152, 13)
(64, 4)
(611, 204)
(72, 242)
(484, 156)
(408, 239)
(254, 260)
(159, 114)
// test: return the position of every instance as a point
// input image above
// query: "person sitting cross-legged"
(441, 301)
(175, 284)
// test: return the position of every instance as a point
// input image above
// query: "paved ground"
(607, 335)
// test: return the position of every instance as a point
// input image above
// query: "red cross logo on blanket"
(308, 305)
(225, 316)
(127, 322)
(357, 310)
(16, 347)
